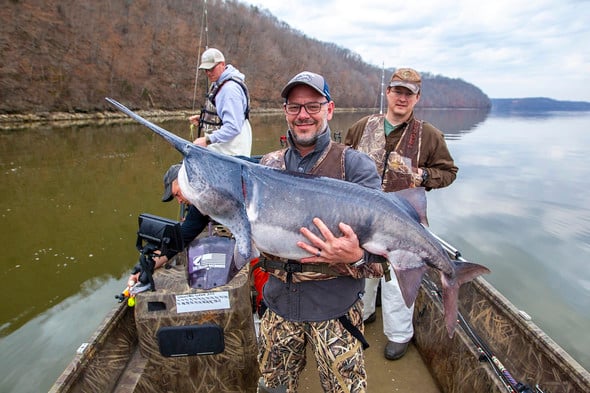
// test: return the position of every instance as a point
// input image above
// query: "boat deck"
(408, 374)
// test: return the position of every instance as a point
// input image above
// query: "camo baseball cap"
(408, 78)
(315, 81)
(210, 58)
(170, 175)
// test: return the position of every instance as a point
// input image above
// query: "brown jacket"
(434, 153)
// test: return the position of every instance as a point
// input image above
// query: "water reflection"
(68, 201)
(520, 206)
(453, 123)
(533, 114)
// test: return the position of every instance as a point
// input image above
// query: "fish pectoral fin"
(240, 261)
(409, 269)
(244, 251)
(409, 282)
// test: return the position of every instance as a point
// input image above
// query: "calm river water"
(70, 198)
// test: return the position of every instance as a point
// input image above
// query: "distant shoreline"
(31, 120)
(65, 119)
(17, 121)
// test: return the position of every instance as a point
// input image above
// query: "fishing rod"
(204, 31)
(484, 350)
(382, 84)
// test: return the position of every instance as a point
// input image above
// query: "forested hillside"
(68, 56)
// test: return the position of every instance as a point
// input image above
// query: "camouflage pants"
(338, 354)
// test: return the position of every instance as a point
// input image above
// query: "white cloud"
(508, 48)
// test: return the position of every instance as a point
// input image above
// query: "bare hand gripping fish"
(265, 208)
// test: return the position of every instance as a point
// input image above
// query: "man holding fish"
(316, 302)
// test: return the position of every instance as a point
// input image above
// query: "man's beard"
(309, 141)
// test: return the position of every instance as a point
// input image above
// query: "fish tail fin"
(464, 272)
(467, 271)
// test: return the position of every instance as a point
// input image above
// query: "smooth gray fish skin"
(265, 208)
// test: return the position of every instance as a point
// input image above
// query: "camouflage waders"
(339, 355)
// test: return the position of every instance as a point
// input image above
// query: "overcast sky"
(508, 48)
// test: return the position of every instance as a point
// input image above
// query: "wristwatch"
(425, 176)
(358, 263)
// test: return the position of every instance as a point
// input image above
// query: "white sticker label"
(212, 260)
(202, 301)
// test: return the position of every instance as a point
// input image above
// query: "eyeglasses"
(310, 107)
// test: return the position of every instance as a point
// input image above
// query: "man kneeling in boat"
(193, 224)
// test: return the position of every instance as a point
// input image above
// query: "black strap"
(295, 267)
(213, 93)
(353, 330)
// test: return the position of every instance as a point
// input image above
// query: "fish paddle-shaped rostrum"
(265, 208)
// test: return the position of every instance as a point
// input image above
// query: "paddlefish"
(265, 208)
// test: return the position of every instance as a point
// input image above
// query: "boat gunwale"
(536, 335)
(88, 353)
(515, 348)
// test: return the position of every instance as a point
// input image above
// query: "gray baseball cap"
(315, 81)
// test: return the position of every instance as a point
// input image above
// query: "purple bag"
(210, 262)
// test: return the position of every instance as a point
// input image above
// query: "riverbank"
(68, 119)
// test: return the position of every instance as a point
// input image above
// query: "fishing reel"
(145, 267)
(146, 264)
(154, 234)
